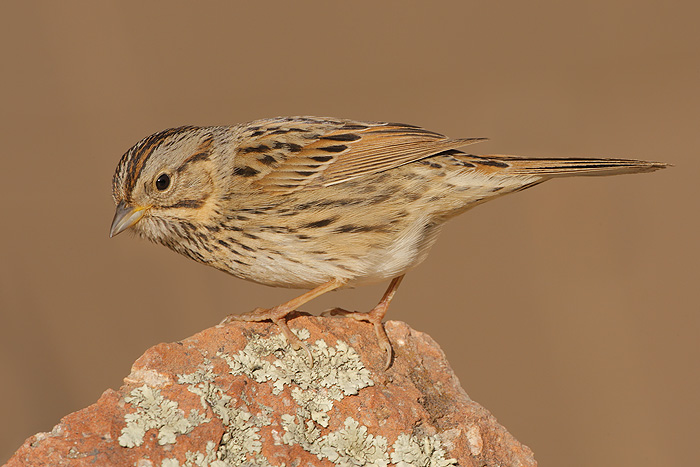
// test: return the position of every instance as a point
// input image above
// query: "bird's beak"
(124, 217)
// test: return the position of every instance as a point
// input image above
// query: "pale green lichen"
(209, 458)
(241, 437)
(304, 433)
(337, 372)
(424, 451)
(197, 459)
(352, 445)
(153, 410)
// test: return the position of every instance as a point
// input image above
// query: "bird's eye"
(163, 182)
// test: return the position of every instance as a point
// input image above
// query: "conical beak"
(124, 217)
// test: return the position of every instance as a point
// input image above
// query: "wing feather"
(303, 152)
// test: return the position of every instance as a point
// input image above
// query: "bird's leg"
(278, 313)
(375, 316)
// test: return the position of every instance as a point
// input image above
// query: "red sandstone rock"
(239, 395)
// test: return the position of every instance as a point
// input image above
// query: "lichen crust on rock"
(239, 395)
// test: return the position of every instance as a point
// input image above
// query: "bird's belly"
(281, 260)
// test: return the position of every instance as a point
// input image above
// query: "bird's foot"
(278, 316)
(374, 317)
(258, 314)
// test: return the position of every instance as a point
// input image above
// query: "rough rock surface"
(239, 395)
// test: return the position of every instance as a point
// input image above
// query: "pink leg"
(278, 313)
(375, 316)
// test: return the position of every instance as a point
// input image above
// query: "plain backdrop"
(570, 311)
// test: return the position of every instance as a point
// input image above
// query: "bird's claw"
(376, 320)
(264, 314)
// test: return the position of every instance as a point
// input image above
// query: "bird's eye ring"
(163, 182)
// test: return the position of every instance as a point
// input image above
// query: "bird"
(317, 203)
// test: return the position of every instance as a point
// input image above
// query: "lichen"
(153, 410)
(337, 372)
(241, 437)
(297, 431)
(351, 445)
(197, 459)
(415, 451)
(209, 458)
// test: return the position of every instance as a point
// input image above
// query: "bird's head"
(164, 183)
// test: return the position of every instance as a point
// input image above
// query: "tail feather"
(563, 167)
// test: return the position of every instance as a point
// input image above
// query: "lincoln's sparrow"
(316, 203)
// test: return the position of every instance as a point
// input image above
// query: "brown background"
(570, 310)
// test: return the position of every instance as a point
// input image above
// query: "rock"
(239, 395)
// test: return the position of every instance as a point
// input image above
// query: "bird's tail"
(563, 167)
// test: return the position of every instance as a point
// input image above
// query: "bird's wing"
(287, 154)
